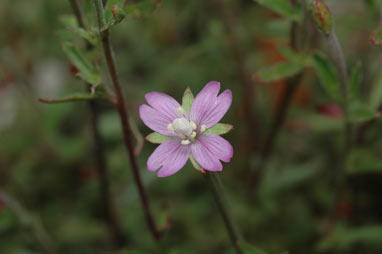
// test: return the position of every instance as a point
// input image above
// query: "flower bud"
(322, 16)
(118, 13)
(376, 37)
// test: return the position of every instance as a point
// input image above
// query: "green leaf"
(360, 112)
(284, 8)
(195, 164)
(187, 100)
(70, 22)
(86, 71)
(327, 75)
(344, 238)
(361, 161)
(375, 99)
(355, 80)
(220, 128)
(249, 249)
(279, 71)
(156, 138)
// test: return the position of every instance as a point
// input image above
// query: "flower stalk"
(123, 114)
(218, 193)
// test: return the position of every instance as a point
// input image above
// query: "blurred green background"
(49, 185)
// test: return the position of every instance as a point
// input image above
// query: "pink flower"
(188, 131)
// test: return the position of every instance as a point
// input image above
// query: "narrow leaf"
(355, 81)
(284, 8)
(327, 75)
(375, 99)
(87, 72)
(359, 112)
(279, 71)
(249, 249)
(187, 100)
(156, 138)
(220, 128)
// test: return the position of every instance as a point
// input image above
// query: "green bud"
(376, 37)
(322, 16)
(118, 13)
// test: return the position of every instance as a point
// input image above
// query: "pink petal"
(155, 120)
(204, 101)
(216, 113)
(170, 157)
(209, 149)
(164, 104)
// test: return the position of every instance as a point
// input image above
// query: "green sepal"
(220, 128)
(187, 100)
(156, 138)
(195, 164)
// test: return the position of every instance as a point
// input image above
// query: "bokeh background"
(49, 185)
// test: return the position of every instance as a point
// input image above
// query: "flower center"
(184, 128)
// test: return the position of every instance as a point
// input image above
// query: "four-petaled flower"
(188, 131)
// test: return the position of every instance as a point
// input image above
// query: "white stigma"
(203, 128)
(182, 127)
(180, 111)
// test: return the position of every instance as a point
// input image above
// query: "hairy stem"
(99, 155)
(220, 198)
(123, 114)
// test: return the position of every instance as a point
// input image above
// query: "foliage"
(47, 162)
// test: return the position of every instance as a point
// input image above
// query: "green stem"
(340, 63)
(221, 201)
(124, 117)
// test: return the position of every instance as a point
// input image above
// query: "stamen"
(193, 134)
(180, 111)
(170, 127)
(193, 125)
(186, 142)
(203, 128)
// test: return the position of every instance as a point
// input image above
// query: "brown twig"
(122, 110)
(99, 155)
